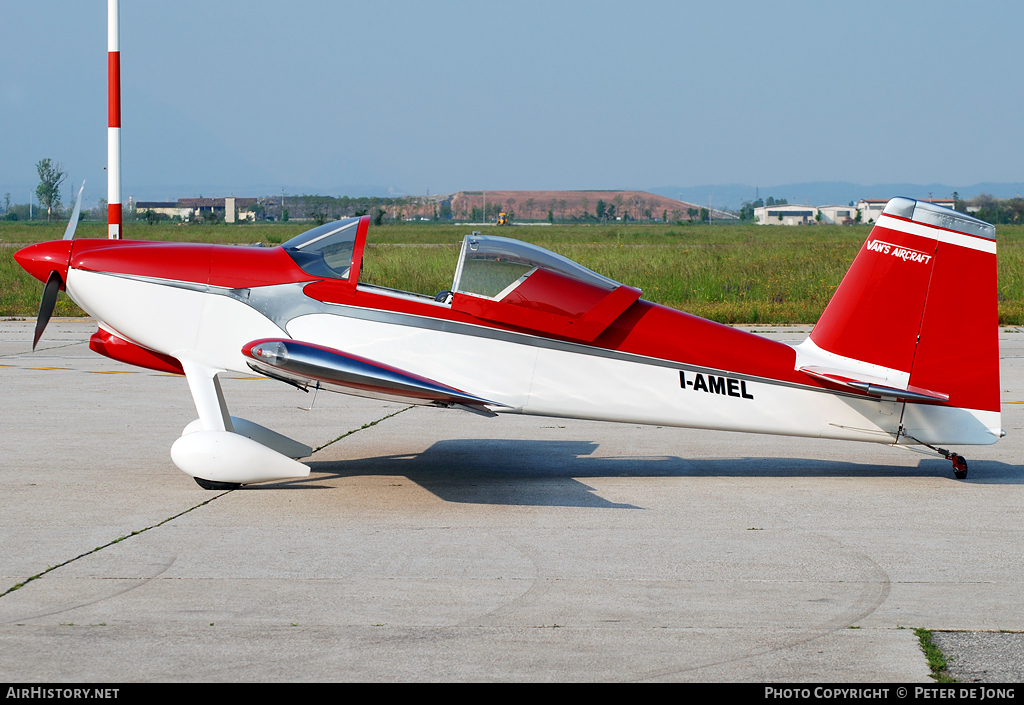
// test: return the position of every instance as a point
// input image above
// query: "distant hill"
(534, 205)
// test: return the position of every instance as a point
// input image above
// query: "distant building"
(837, 215)
(871, 208)
(171, 209)
(230, 209)
(785, 215)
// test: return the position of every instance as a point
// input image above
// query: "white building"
(837, 215)
(787, 214)
(871, 208)
(171, 209)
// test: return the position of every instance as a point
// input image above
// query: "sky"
(255, 97)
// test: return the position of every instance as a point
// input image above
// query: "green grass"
(735, 274)
(936, 659)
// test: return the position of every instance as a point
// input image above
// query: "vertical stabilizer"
(919, 306)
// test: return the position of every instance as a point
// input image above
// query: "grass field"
(731, 274)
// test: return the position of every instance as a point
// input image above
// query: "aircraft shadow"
(549, 473)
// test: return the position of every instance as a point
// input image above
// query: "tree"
(318, 208)
(600, 211)
(51, 176)
(998, 211)
(100, 211)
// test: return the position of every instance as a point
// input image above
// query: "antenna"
(113, 121)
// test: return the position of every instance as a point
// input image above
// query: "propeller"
(73, 223)
(46, 306)
(54, 282)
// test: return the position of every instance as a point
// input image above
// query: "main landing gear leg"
(212, 408)
(223, 452)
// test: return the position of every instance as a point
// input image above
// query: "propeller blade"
(73, 223)
(46, 305)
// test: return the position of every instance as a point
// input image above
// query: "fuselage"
(651, 365)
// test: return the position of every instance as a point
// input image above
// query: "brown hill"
(534, 205)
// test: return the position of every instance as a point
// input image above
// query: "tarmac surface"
(434, 545)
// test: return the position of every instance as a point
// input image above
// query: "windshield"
(325, 251)
(491, 266)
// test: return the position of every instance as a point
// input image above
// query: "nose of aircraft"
(45, 257)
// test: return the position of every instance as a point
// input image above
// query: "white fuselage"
(530, 374)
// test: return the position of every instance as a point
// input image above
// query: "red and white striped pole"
(113, 122)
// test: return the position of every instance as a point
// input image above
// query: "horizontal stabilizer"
(871, 386)
(305, 365)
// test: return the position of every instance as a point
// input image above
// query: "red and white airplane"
(905, 354)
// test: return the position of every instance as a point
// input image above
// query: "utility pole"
(113, 121)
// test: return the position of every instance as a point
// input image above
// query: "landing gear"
(959, 466)
(959, 461)
(211, 485)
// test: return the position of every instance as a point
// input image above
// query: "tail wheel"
(959, 466)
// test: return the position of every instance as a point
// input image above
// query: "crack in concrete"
(39, 575)
(42, 350)
(52, 568)
(357, 430)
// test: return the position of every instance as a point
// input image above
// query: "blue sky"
(329, 97)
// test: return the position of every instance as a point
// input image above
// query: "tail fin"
(919, 306)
